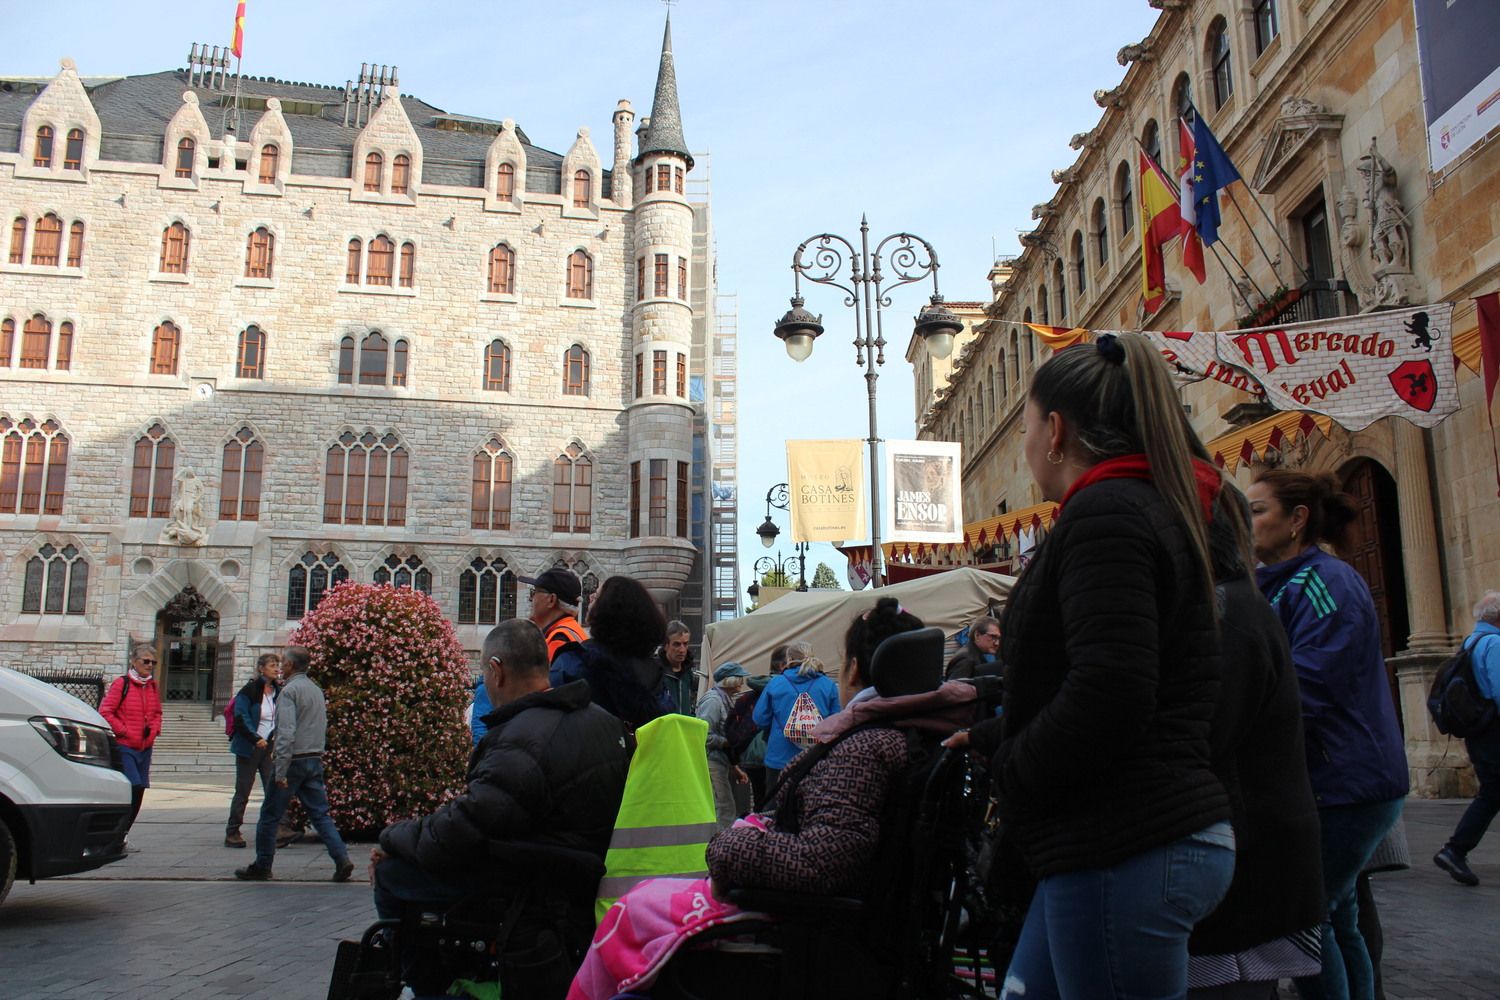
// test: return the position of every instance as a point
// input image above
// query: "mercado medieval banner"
(1355, 369)
(825, 483)
(926, 503)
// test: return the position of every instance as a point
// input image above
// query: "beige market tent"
(948, 600)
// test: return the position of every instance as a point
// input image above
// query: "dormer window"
(185, 157)
(582, 185)
(505, 182)
(374, 164)
(73, 154)
(400, 175)
(42, 155)
(270, 160)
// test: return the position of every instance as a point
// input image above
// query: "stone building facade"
(341, 334)
(1300, 93)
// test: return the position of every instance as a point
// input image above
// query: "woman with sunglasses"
(132, 707)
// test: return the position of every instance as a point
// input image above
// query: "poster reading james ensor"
(926, 502)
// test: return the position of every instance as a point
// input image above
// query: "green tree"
(824, 578)
(777, 578)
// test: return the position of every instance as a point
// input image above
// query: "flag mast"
(238, 48)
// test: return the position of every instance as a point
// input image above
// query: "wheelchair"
(528, 933)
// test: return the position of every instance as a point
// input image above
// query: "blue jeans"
(1350, 836)
(1484, 752)
(1121, 933)
(304, 779)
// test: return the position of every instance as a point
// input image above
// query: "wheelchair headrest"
(908, 663)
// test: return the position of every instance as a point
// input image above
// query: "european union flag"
(1212, 172)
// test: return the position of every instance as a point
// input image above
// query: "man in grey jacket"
(713, 708)
(301, 727)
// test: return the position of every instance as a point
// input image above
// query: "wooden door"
(1375, 553)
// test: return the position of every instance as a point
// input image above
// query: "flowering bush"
(397, 683)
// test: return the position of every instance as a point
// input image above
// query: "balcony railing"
(1320, 299)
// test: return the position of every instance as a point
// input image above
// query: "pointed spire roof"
(665, 132)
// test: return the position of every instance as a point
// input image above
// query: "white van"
(64, 804)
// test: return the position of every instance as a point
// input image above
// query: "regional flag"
(1212, 172)
(1058, 337)
(238, 46)
(1192, 246)
(1161, 223)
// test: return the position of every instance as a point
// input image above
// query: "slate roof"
(664, 135)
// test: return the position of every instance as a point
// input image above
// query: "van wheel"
(7, 861)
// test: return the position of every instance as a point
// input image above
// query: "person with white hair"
(1484, 748)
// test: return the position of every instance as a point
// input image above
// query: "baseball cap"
(728, 670)
(556, 581)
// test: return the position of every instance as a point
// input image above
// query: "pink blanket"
(643, 930)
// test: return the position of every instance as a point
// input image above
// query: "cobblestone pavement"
(171, 921)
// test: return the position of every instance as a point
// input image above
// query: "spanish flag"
(1161, 223)
(238, 46)
(1058, 337)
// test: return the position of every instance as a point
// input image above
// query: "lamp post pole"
(911, 258)
(779, 496)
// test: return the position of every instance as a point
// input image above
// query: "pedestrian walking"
(791, 706)
(1484, 749)
(254, 734)
(132, 707)
(301, 732)
(714, 708)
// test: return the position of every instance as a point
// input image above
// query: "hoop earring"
(1054, 458)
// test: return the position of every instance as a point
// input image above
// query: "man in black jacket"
(550, 771)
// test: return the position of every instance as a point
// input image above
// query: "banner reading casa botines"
(926, 503)
(826, 483)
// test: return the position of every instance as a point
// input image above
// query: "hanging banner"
(1460, 75)
(926, 502)
(1192, 354)
(1355, 369)
(825, 480)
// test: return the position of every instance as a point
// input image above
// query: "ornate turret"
(665, 133)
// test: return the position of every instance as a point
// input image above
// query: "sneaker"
(1454, 864)
(343, 870)
(253, 873)
(235, 839)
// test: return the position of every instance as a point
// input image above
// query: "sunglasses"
(146, 663)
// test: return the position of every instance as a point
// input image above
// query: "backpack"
(229, 718)
(1456, 705)
(802, 720)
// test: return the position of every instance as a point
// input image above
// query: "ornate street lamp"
(779, 496)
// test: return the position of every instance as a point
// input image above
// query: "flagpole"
(1214, 246)
(1235, 202)
(235, 118)
(1234, 284)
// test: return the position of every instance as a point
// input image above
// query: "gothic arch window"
(46, 241)
(240, 477)
(75, 244)
(57, 582)
(1266, 28)
(309, 579)
(260, 252)
(382, 260)
(486, 592)
(502, 272)
(8, 341)
(582, 189)
(36, 341)
(380, 362)
(33, 466)
(490, 499)
(408, 572)
(1151, 141)
(251, 360)
(572, 491)
(185, 150)
(505, 182)
(401, 174)
(73, 151)
(1101, 232)
(364, 480)
(588, 586)
(166, 340)
(576, 371)
(580, 275)
(41, 155)
(1080, 264)
(175, 240)
(408, 273)
(497, 366)
(400, 353)
(346, 361)
(1220, 68)
(270, 162)
(151, 473)
(18, 240)
(352, 268)
(374, 164)
(64, 346)
(1125, 198)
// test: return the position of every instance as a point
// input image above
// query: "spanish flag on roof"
(238, 45)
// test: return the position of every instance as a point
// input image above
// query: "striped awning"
(977, 534)
(1249, 443)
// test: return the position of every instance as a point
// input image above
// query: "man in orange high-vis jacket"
(554, 608)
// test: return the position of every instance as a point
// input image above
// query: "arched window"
(1218, 59)
(46, 241)
(8, 342)
(374, 164)
(75, 245)
(346, 361)
(1101, 233)
(400, 353)
(175, 240)
(382, 261)
(1080, 264)
(33, 466)
(408, 273)
(1062, 291)
(572, 491)
(57, 582)
(486, 593)
(1182, 100)
(401, 174)
(64, 346)
(351, 269)
(1015, 353)
(260, 251)
(490, 501)
(165, 340)
(1151, 141)
(580, 275)
(497, 367)
(576, 371)
(408, 572)
(590, 585)
(505, 182)
(1043, 307)
(311, 578)
(239, 477)
(18, 240)
(185, 148)
(270, 162)
(251, 362)
(997, 375)
(151, 474)
(372, 359)
(73, 153)
(1125, 198)
(1266, 27)
(502, 276)
(364, 481)
(582, 189)
(41, 156)
(36, 340)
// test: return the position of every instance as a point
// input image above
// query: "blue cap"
(729, 670)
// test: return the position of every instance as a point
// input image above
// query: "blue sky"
(939, 117)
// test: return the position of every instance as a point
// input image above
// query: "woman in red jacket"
(132, 707)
